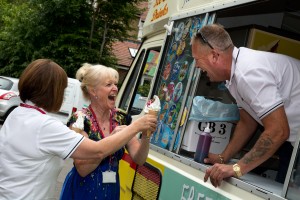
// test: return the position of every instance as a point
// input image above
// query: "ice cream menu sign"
(173, 77)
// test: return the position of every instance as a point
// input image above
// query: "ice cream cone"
(152, 107)
(151, 112)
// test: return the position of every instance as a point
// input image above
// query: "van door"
(73, 100)
(137, 85)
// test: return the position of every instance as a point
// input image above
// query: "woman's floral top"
(91, 186)
(119, 117)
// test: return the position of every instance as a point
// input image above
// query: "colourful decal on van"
(173, 81)
(135, 181)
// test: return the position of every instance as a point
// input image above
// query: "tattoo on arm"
(262, 146)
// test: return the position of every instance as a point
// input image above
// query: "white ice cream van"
(73, 100)
(164, 61)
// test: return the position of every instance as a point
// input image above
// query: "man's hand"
(217, 173)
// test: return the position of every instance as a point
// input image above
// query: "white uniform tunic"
(32, 148)
(263, 81)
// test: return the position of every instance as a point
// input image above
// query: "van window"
(131, 82)
(147, 70)
(209, 102)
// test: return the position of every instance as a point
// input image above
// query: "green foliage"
(143, 90)
(16, 42)
(62, 30)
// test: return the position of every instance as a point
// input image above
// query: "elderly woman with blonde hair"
(99, 178)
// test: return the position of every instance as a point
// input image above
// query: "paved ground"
(62, 175)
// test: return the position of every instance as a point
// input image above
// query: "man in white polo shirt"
(266, 87)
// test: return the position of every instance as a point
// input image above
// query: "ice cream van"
(189, 100)
(73, 100)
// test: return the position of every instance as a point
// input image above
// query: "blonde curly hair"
(91, 75)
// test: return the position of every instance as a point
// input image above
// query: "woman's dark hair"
(43, 83)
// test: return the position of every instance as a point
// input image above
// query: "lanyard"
(33, 107)
(111, 157)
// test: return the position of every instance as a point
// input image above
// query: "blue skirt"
(91, 187)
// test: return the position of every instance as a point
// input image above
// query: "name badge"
(109, 177)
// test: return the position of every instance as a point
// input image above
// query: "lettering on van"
(158, 13)
(184, 2)
(220, 129)
(158, 2)
(190, 190)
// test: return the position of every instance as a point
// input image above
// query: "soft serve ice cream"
(152, 108)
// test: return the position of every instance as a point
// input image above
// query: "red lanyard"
(111, 157)
(33, 107)
(96, 122)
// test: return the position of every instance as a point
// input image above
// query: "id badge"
(109, 177)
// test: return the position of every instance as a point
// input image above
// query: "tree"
(114, 18)
(70, 32)
(16, 43)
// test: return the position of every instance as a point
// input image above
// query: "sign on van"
(220, 132)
